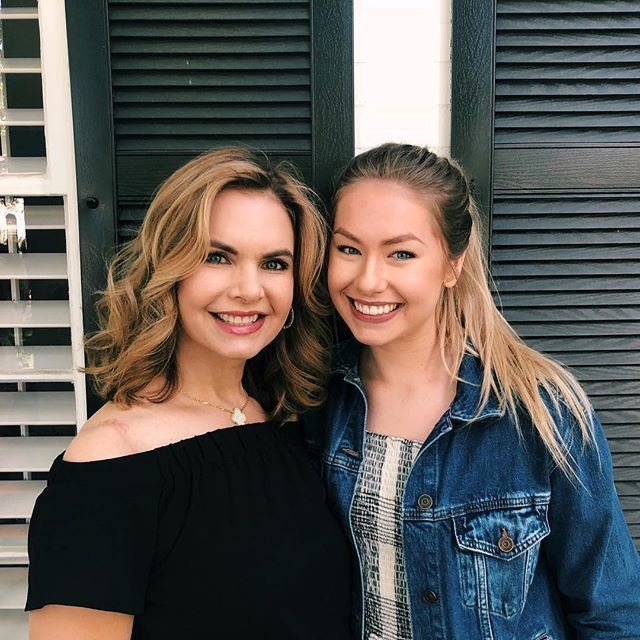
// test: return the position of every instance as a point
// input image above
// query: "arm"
(590, 551)
(58, 622)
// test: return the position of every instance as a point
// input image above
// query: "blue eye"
(346, 249)
(215, 257)
(276, 265)
(403, 255)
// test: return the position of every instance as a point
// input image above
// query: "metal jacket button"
(429, 596)
(506, 544)
(425, 501)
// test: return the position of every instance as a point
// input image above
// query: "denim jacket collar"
(467, 395)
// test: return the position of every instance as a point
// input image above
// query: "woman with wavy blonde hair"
(186, 507)
(470, 471)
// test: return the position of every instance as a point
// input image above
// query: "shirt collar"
(467, 398)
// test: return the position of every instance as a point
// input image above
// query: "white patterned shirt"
(376, 518)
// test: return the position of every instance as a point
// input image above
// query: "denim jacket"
(498, 544)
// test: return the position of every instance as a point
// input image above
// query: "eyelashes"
(273, 264)
(400, 255)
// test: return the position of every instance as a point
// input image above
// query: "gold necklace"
(238, 417)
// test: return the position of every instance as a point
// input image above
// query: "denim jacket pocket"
(497, 552)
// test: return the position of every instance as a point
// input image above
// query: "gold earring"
(290, 319)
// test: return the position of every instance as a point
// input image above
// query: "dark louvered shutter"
(564, 198)
(188, 77)
(156, 82)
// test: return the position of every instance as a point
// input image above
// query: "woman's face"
(387, 265)
(236, 303)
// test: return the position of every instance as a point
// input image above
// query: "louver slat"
(551, 62)
(189, 78)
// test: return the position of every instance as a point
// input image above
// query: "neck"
(408, 365)
(207, 376)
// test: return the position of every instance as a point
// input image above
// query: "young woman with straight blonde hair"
(469, 470)
(186, 507)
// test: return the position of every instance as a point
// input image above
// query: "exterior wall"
(402, 69)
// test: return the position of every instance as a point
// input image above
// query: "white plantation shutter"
(42, 395)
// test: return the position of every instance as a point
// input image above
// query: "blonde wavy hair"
(467, 319)
(138, 312)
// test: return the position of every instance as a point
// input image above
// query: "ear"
(454, 271)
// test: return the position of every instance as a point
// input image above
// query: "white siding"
(402, 72)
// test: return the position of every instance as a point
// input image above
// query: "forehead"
(376, 208)
(247, 219)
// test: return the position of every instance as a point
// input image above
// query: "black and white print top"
(377, 526)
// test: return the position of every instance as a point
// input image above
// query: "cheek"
(337, 277)
(281, 292)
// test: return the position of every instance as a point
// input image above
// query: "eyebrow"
(234, 252)
(395, 240)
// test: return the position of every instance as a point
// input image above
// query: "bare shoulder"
(109, 433)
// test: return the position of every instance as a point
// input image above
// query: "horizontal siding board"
(568, 22)
(622, 390)
(560, 253)
(209, 127)
(619, 38)
(550, 238)
(566, 89)
(606, 373)
(553, 6)
(568, 55)
(574, 314)
(566, 204)
(179, 12)
(615, 347)
(561, 223)
(559, 299)
(626, 472)
(221, 46)
(568, 72)
(567, 169)
(190, 62)
(625, 445)
(570, 104)
(567, 136)
(181, 144)
(571, 329)
(627, 430)
(213, 112)
(197, 29)
(212, 95)
(579, 283)
(619, 408)
(553, 268)
(192, 80)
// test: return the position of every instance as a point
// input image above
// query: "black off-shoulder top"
(222, 535)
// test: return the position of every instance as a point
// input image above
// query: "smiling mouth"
(238, 321)
(370, 309)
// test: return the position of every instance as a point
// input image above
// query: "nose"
(247, 284)
(371, 278)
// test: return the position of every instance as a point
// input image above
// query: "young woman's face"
(236, 303)
(387, 265)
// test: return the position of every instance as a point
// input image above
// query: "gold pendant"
(238, 417)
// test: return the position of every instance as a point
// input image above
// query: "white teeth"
(237, 319)
(375, 311)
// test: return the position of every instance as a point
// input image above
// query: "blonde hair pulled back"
(467, 319)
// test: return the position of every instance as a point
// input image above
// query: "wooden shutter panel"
(565, 239)
(191, 77)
